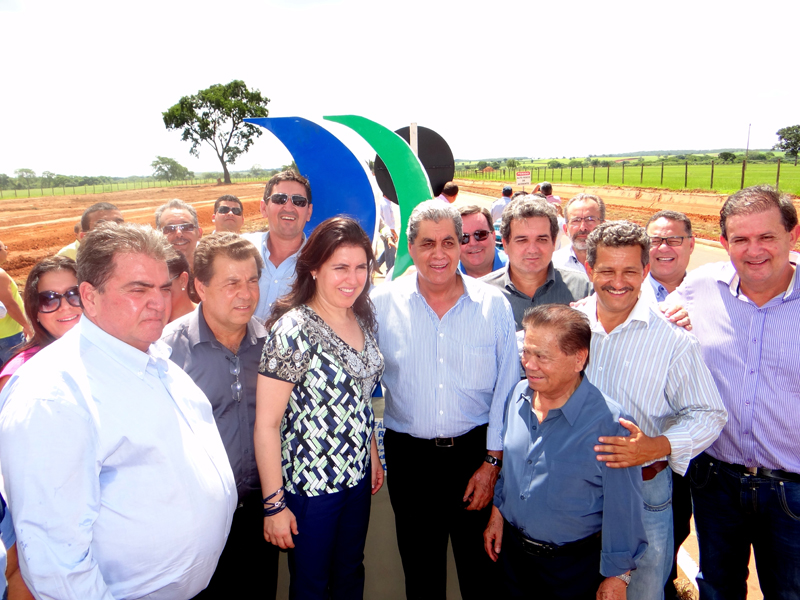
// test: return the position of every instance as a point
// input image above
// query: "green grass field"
(727, 178)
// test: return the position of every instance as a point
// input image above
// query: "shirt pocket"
(478, 368)
(788, 375)
(573, 487)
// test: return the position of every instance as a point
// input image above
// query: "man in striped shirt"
(656, 372)
(746, 486)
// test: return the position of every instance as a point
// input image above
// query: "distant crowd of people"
(176, 409)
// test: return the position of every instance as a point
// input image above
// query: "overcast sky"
(85, 81)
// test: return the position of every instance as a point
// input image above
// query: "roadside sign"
(523, 177)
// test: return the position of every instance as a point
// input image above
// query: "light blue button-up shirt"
(552, 487)
(444, 377)
(116, 474)
(274, 281)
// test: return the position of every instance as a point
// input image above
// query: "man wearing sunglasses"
(479, 256)
(583, 213)
(219, 345)
(178, 221)
(114, 466)
(287, 207)
(228, 214)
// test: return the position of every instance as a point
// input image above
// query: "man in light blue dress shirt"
(287, 207)
(451, 360)
(655, 371)
(116, 474)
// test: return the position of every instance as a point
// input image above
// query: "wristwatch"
(626, 578)
(494, 461)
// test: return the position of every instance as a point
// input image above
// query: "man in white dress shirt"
(582, 214)
(112, 461)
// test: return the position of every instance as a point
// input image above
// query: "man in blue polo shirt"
(479, 256)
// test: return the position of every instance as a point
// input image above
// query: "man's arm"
(54, 495)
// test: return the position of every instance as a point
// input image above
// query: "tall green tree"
(215, 116)
(26, 177)
(169, 169)
(789, 141)
(511, 163)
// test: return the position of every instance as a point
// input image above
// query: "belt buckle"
(444, 442)
(538, 548)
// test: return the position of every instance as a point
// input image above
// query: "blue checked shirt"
(445, 377)
(655, 371)
(274, 281)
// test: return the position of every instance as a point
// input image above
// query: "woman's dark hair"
(30, 298)
(326, 238)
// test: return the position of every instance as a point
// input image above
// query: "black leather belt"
(763, 472)
(547, 550)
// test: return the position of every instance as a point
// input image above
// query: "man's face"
(435, 252)
(102, 216)
(617, 277)
(228, 221)
(477, 256)
(135, 303)
(286, 221)
(529, 245)
(182, 240)
(668, 263)
(231, 296)
(548, 370)
(759, 247)
(577, 227)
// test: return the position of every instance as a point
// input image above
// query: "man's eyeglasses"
(298, 200)
(479, 235)
(673, 240)
(51, 301)
(236, 386)
(224, 210)
(587, 220)
(182, 227)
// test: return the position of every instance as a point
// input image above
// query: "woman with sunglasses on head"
(181, 278)
(52, 304)
(316, 453)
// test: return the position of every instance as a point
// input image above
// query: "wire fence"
(724, 178)
(116, 186)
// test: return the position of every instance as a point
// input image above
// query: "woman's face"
(341, 279)
(63, 319)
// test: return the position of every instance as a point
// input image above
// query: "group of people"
(151, 447)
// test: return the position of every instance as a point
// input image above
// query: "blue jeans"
(7, 346)
(733, 510)
(652, 572)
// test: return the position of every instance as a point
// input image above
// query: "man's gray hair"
(98, 249)
(581, 197)
(618, 234)
(433, 210)
(526, 207)
(179, 204)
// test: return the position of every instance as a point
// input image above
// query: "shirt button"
(140, 373)
(441, 412)
(276, 281)
(530, 462)
(534, 427)
(522, 497)
(440, 386)
(441, 360)
(441, 335)
(754, 341)
(746, 432)
(752, 371)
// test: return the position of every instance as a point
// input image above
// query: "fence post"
(581, 173)
(623, 172)
(608, 174)
(686, 174)
(778, 176)
(711, 186)
(641, 175)
(662, 172)
(744, 168)
(570, 173)
(594, 174)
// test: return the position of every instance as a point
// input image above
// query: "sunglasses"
(224, 210)
(675, 240)
(587, 220)
(235, 369)
(187, 227)
(51, 301)
(480, 236)
(298, 200)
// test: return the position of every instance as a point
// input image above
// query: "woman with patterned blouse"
(316, 452)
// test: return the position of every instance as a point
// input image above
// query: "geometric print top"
(327, 429)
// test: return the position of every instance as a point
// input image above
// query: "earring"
(183, 289)
(314, 277)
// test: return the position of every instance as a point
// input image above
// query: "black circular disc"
(434, 154)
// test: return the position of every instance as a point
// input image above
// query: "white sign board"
(523, 177)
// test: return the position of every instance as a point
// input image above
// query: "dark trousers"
(733, 510)
(328, 556)
(574, 577)
(681, 526)
(248, 566)
(426, 488)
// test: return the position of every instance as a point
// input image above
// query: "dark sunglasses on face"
(51, 301)
(480, 235)
(298, 200)
(169, 229)
(674, 240)
(224, 210)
